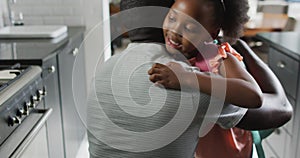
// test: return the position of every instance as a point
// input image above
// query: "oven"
(22, 112)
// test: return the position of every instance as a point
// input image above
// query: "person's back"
(129, 113)
(129, 117)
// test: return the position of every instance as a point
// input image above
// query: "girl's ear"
(215, 34)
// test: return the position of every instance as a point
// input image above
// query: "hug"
(186, 88)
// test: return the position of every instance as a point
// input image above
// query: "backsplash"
(3, 10)
(68, 12)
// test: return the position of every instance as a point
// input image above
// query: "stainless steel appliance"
(22, 112)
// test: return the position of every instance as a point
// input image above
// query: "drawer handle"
(281, 64)
(75, 51)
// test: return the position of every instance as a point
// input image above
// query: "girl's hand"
(166, 75)
(215, 63)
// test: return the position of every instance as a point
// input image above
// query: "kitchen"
(66, 63)
(54, 138)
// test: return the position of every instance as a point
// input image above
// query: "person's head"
(145, 34)
(196, 21)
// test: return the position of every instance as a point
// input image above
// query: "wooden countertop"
(265, 22)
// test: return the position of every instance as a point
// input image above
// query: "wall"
(68, 12)
(294, 11)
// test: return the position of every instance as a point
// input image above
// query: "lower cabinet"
(72, 82)
(284, 141)
(269, 153)
(52, 100)
(276, 144)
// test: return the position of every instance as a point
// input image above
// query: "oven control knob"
(34, 100)
(20, 112)
(27, 105)
(26, 108)
(14, 120)
(42, 92)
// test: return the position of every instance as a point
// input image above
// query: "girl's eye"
(190, 29)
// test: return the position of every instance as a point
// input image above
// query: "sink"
(33, 31)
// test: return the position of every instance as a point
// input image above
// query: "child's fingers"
(212, 62)
(215, 64)
(215, 70)
(150, 71)
(157, 65)
(155, 77)
(154, 70)
(217, 58)
(222, 52)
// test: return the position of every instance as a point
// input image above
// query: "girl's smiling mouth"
(172, 43)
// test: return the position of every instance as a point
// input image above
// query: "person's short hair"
(145, 34)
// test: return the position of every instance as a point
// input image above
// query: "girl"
(178, 32)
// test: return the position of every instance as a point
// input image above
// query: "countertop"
(35, 50)
(287, 42)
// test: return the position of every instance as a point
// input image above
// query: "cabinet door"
(269, 153)
(286, 69)
(290, 125)
(73, 127)
(288, 150)
(277, 142)
(54, 123)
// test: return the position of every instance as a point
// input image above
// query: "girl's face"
(188, 23)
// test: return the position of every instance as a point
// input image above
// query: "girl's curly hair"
(235, 18)
(230, 16)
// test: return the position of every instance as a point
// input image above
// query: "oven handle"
(33, 132)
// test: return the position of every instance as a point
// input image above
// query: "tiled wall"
(3, 10)
(69, 12)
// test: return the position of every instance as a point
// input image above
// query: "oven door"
(29, 139)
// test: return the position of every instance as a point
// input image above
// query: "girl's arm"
(241, 91)
(276, 109)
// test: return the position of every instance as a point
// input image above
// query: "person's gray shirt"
(129, 117)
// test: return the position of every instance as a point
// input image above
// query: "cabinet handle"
(51, 69)
(75, 51)
(281, 64)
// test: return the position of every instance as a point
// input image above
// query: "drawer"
(286, 69)
(277, 142)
